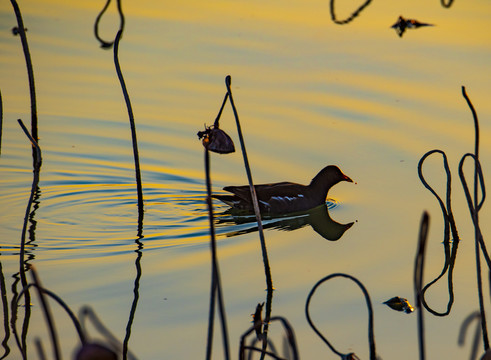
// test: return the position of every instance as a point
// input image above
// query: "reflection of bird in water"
(317, 217)
(285, 197)
(402, 24)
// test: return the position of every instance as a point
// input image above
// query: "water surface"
(309, 93)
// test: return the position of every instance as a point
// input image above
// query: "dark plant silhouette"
(216, 295)
(21, 30)
(291, 343)
(5, 312)
(22, 262)
(403, 24)
(136, 296)
(353, 15)
(108, 44)
(418, 280)
(449, 228)
(132, 126)
(139, 189)
(399, 304)
(476, 315)
(371, 336)
(474, 207)
(267, 269)
(88, 349)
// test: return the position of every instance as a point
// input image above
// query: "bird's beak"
(347, 178)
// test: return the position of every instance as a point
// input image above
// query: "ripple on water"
(79, 216)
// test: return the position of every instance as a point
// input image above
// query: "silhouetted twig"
(216, 287)
(132, 125)
(136, 295)
(108, 44)
(418, 280)
(349, 18)
(474, 207)
(290, 337)
(473, 210)
(30, 73)
(60, 302)
(371, 337)
(448, 217)
(263, 352)
(267, 269)
(476, 148)
(480, 246)
(47, 315)
(21, 343)
(22, 263)
(449, 225)
(5, 312)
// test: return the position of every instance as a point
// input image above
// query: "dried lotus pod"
(216, 140)
(399, 304)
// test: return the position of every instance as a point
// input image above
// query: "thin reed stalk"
(474, 208)
(255, 204)
(47, 315)
(290, 337)
(418, 280)
(216, 287)
(476, 149)
(136, 296)
(5, 312)
(132, 125)
(22, 262)
(30, 74)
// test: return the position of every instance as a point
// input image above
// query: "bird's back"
(265, 192)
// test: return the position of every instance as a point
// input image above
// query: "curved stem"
(353, 15)
(104, 43)
(30, 73)
(371, 337)
(132, 126)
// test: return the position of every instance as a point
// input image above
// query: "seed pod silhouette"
(216, 140)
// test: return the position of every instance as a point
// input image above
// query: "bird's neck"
(319, 188)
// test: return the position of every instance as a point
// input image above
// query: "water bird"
(402, 24)
(285, 197)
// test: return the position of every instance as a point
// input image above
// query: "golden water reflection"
(308, 92)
